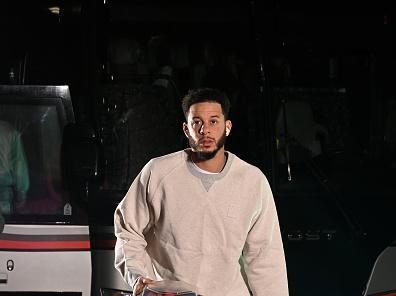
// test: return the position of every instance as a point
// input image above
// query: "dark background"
(337, 211)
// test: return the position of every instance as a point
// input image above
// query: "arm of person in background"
(263, 254)
(19, 171)
(132, 221)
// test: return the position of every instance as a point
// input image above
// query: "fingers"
(140, 285)
(147, 281)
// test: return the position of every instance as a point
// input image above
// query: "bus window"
(32, 183)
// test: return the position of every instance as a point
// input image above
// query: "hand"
(140, 284)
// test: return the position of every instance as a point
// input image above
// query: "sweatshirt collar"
(204, 176)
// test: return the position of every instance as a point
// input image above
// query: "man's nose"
(204, 129)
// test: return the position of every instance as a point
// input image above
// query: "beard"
(206, 155)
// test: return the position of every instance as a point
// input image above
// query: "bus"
(45, 242)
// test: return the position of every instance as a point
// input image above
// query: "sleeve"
(19, 168)
(132, 221)
(263, 254)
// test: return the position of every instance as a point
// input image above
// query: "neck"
(213, 165)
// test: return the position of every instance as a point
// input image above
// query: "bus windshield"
(32, 187)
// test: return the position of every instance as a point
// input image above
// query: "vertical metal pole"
(287, 142)
(265, 103)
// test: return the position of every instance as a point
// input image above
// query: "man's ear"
(228, 127)
(185, 129)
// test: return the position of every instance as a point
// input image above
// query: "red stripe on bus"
(48, 245)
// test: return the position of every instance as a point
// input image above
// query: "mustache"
(206, 138)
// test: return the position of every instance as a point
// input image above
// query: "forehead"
(205, 109)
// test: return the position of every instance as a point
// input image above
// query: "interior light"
(54, 10)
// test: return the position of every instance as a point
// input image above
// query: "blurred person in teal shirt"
(14, 175)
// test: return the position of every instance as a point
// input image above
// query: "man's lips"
(206, 142)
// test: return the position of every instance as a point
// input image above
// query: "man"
(188, 216)
(14, 175)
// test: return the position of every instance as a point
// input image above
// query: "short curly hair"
(201, 95)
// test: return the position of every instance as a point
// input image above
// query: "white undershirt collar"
(202, 171)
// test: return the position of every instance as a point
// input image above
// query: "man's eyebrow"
(212, 116)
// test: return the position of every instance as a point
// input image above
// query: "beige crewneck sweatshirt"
(176, 223)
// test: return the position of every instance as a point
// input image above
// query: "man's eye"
(213, 121)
